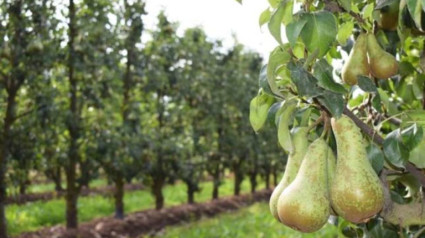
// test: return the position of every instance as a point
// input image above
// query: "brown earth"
(46, 196)
(149, 222)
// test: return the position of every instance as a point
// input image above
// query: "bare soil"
(149, 222)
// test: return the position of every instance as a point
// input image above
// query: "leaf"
(271, 114)
(376, 157)
(376, 102)
(263, 82)
(275, 22)
(305, 82)
(412, 136)
(258, 110)
(239, 1)
(395, 152)
(323, 72)
(367, 12)
(346, 4)
(414, 116)
(319, 32)
(274, 3)
(278, 57)
(344, 32)
(334, 102)
(265, 17)
(415, 9)
(411, 183)
(417, 155)
(288, 12)
(366, 84)
(294, 29)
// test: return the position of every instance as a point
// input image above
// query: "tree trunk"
(253, 180)
(73, 128)
(23, 188)
(57, 179)
(238, 181)
(267, 178)
(4, 154)
(275, 180)
(190, 193)
(216, 182)
(119, 197)
(157, 185)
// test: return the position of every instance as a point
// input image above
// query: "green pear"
(388, 16)
(382, 64)
(304, 205)
(300, 144)
(356, 63)
(356, 192)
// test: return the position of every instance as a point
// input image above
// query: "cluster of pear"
(367, 57)
(315, 185)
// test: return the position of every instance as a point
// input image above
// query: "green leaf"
(395, 152)
(274, 3)
(323, 72)
(366, 84)
(376, 157)
(415, 9)
(305, 82)
(412, 136)
(288, 12)
(376, 102)
(265, 17)
(411, 183)
(263, 82)
(239, 1)
(346, 4)
(294, 29)
(258, 110)
(334, 102)
(417, 156)
(344, 32)
(278, 57)
(272, 119)
(319, 32)
(414, 116)
(367, 11)
(275, 22)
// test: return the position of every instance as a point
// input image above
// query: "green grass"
(33, 216)
(254, 221)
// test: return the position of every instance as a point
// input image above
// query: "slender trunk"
(119, 197)
(216, 182)
(267, 178)
(275, 180)
(73, 128)
(23, 188)
(190, 193)
(4, 154)
(253, 180)
(157, 185)
(238, 179)
(57, 179)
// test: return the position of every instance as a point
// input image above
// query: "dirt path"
(46, 196)
(149, 222)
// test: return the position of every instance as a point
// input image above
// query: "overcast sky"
(219, 18)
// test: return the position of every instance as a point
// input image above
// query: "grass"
(254, 221)
(33, 216)
(50, 187)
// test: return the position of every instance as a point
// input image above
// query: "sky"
(219, 18)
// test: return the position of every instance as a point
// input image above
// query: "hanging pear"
(356, 63)
(382, 64)
(300, 144)
(304, 205)
(356, 192)
(388, 16)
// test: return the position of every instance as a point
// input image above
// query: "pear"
(300, 144)
(356, 192)
(388, 16)
(382, 64)
(304, 205)
(356, 63)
